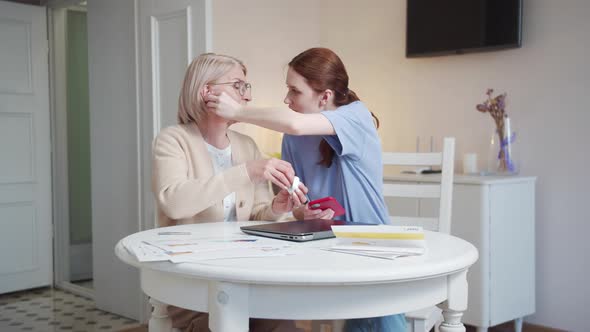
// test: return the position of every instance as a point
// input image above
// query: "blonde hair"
(204, 69)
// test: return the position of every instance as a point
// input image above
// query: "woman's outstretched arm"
(285, 121)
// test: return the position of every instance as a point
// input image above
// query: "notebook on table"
(299, 230)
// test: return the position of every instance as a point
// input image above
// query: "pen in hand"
(307, 199)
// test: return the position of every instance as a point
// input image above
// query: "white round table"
(313, 284)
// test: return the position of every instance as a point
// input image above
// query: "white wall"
(547, 81)
(265, 34)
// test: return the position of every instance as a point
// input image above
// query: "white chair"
(424, 320)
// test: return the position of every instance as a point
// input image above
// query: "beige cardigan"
(186, 189)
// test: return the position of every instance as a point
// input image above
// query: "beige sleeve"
(263, 196)
(179, 196)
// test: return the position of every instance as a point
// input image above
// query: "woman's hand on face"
(223, 105)
(285, 202)
(275, 170)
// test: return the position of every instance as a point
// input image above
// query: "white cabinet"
(497, 215)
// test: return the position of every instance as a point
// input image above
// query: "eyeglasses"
(241, 86)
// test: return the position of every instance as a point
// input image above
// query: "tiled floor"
(49, 310)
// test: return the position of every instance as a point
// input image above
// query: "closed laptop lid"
(298, 227)
(299, 230)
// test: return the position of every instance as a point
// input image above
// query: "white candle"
(469, 163)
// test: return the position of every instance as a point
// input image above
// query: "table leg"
(452, 321)
(518, 324)
(228, 307)
(455, 304)
(159, 321)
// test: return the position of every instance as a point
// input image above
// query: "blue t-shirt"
(355, 178)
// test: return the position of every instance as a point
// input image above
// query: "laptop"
(299, 230)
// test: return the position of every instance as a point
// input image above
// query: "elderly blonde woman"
(203, 171)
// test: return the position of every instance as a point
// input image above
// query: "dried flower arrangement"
(495, 106)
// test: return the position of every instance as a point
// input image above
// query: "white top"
(221, 161)
(310, 265)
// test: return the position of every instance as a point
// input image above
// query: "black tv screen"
(439, 27)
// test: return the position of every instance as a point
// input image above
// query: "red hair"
(323, 70)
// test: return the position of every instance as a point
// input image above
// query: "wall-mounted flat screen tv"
(439, 27)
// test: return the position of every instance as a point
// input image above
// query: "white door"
(25, 166)
(171, 34)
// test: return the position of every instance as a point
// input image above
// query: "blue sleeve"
(352, 124)
(286, 150)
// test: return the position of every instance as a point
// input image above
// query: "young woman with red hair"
(346, 161)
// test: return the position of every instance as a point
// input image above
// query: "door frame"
(57, 30)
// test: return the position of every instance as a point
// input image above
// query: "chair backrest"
(442, 191)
